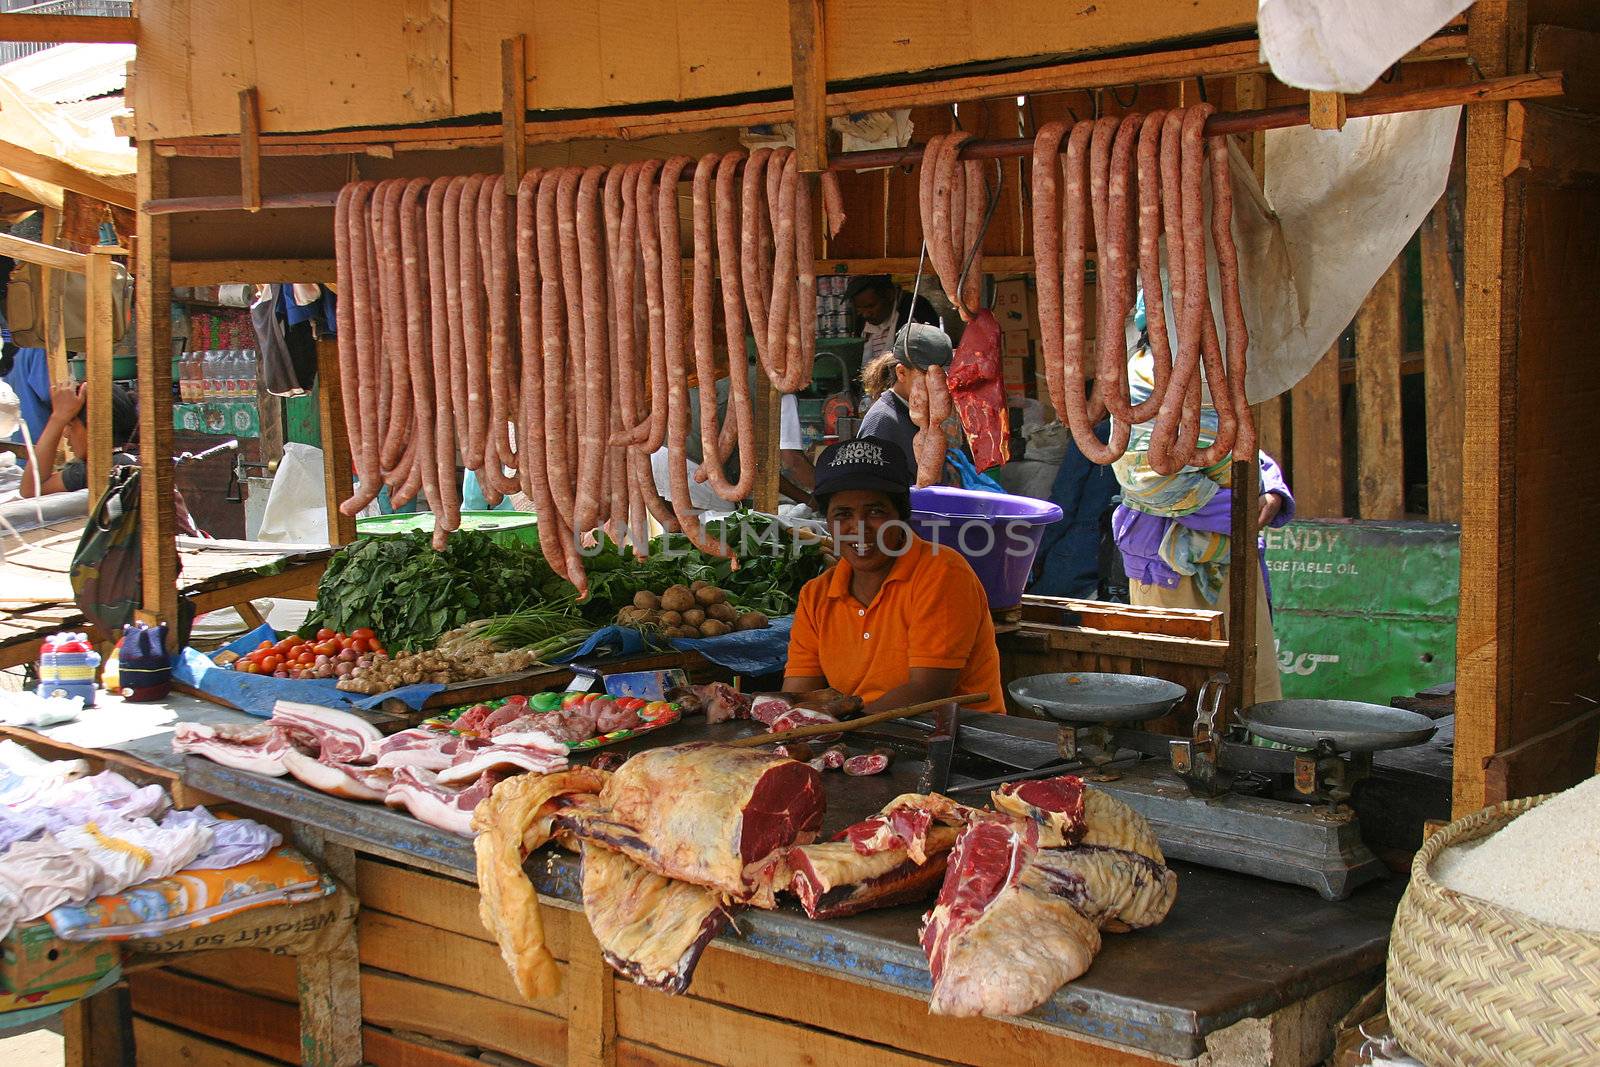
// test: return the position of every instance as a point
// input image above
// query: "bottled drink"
(233, 374)
(250, 369)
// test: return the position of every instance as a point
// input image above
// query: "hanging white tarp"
(1345, 46)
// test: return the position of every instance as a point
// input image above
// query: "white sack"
(1344, 47)
(296, 512)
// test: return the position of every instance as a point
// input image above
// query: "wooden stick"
(856, 724)
(1514, 87)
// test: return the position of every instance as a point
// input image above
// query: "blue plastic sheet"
(255, 693)
(749, 652)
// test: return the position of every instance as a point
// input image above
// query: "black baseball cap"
(921, 346)
(874, 463)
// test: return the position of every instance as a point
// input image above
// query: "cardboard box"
(1015, 374)
(1015, 344)
(33, 960)
(1014, 305)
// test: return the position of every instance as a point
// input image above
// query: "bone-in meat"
(650, 929)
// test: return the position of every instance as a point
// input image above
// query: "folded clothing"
(44, 873)
(130, 851)
(18, 826)
(233, 841)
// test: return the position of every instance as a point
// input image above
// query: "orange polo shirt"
(930, 612)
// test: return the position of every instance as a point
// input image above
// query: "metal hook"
(1391, 74)
(1200, 86)
(1134, 99)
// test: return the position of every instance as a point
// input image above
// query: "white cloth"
(790, 437)
(879, 339)
(1344, 47)
(701, 496)
(128, 852)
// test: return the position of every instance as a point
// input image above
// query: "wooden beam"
(1574, 51)
(429, 82)
(591, 1002)
(1551, 146)
(1328, 111)
(336, 463)
(808, 57)
(1444, 377)
(1380, 478)
(21, 248)
(51, 297)
(1244, 572)
(514, 109)
(1318, 438)
(157, 533)
(98, 328)
(250, 149)
(330, 981)
(251, 271)
(30, 164)
(69, 29)
(1554, 760)
(1496, 34)
(767, 414)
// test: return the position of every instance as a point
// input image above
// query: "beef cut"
(875, 762)
(833, 880)
(257, 747)
(718, 700)
(1055, 804)
(651, 929)
(767, 707)
(712, 815)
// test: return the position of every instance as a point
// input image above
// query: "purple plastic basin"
(998, 534)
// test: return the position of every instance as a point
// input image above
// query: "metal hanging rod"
(1514, 87)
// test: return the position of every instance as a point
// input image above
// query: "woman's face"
(77, 435)
(866, 529)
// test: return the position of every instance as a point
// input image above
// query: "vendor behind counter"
(897, 620)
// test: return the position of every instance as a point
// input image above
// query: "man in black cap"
(888, 379)
(883, 308)
(897, 620)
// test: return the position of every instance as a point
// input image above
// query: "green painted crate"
(505, 527)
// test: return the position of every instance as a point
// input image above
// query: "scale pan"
(1095, 698)
(1351, 725)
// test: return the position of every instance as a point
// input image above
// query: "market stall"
(276, 185)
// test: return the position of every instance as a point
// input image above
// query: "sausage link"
(494, 237)
(593, 509)
(802, 334)
(977, 202)
(756, 288)
(472, 326)
(447, 513)
(741, 414)
(655, 429)
(832, 203)
(677, 370)
(394, 327)
(369, 480)
(374, 306)
(1155, 307)
(349, 383)
(925, 197)
(1046, 188)
(417, 331)
(531, 467)
(1073, 411)
(1244, 445)
(781, 305)
(627, 281)
(1197, 296)
(553, 312)
(577, 349)
(705, 368)
(1116, 275)
(1174, 421)
(617, 308)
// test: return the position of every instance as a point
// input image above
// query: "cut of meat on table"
(1114, 889)
(447, 807)
(875, 762)
(1056, 804)
(506, 759)
(832, 879)
(335, 735)
(257, 747)
(651, 929)
(347, 780)
(766, 708)
(997, 946)
(482, 719)
(719, 700)
(516, 819)
(1110, 823)
(794, 718)
(713, 815)
(566, 726)
(906, 822)
(429, 750)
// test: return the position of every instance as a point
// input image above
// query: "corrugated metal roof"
(68, 73)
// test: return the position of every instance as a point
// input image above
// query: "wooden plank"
(425, 31)
(1043, 637)
(397, 1003)
(590, 1003)
(382, 1049)
(1328, 111)
(1380, 481)
(163, 1046)
(1317, 433)
(1496, 33)
(254, 1023)
(1551, 146)
(20, 248)
(98, 1031)
(1554, 760)
(768, 408)
(329, 981)
(1574, 53)
(808, 57)
(31, 164)
(69, 29)
(430, 954)
(1243, 574)
(514, 109)
(98, 327)
(338, 468)
(299, 582)
(1444, 378)
(1123, 618)
(51, 297)
(250, 148)
(248, 970)
(251, 271)
(639, 1054)
(154, 323)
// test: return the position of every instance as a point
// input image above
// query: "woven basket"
(1471, 982)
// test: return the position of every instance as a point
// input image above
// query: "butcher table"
(1242, 971)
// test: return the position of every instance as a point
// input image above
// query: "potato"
(709, 595)
(677, 598)
(723, 612)
(683, 631)
(646, 600)
(713, 628)
(694, 617)
(751, 620)
(670, 619)
(697, 585)
(631, 616)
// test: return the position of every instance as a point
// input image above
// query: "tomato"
(271, 663)
(247, 666)
(325, 648)
(364, 633)
(360, 645)
(324, 634)
(375, 646)
(263, 645)
(294, 640)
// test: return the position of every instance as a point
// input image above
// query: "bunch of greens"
(410, 595)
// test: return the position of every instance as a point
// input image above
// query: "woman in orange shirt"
(897, 620)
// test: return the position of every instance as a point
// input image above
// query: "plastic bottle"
(250, 370)
(233, 373)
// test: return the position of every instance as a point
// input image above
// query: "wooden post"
(808, 57)
(1496, 41)
(769, 404)
(1243, 564)
(1443, 366)
(270, 408)
(1318, 438)
(98, 1031)
(250, 148)
(98, 328)
(591, 1002)
(514, 109)
(1380, 482)
(157, 534)
(1328, 111)
(330, 982)
(336, 464)
(51, 299)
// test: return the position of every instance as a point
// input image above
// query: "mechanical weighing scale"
(1213, 797)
